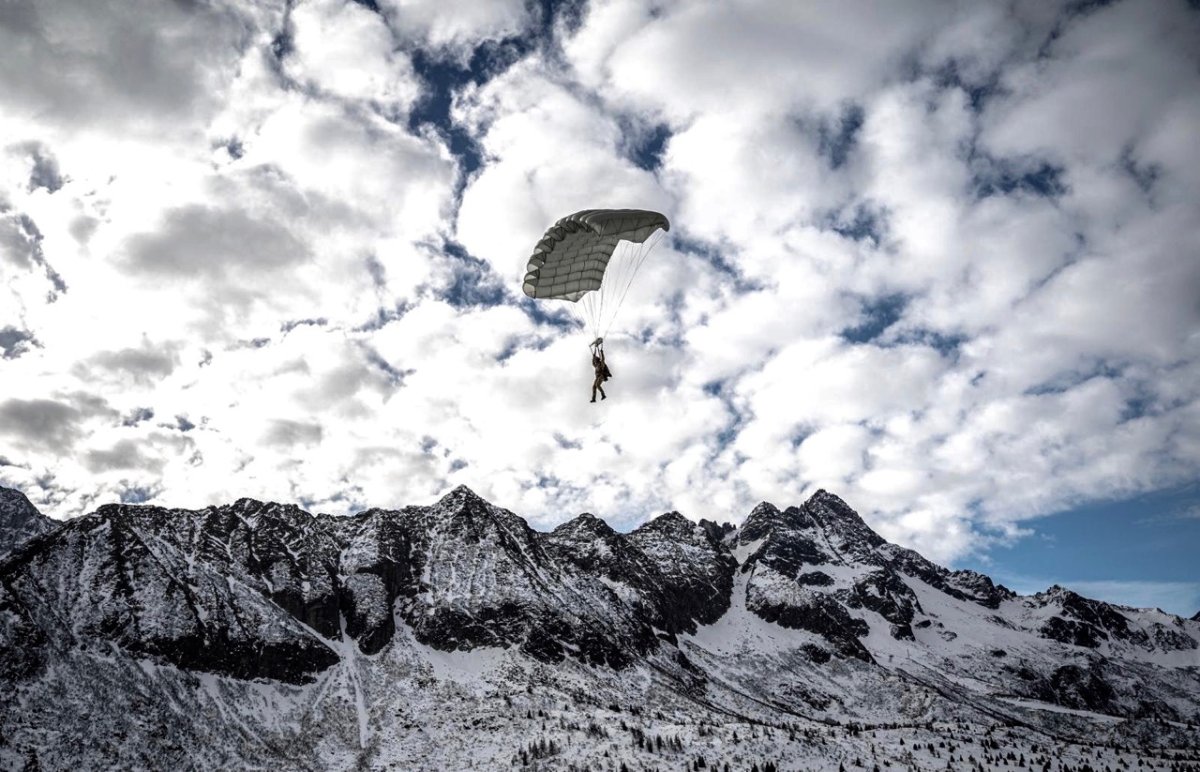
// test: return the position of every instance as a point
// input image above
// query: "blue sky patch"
(136, 495)
(878, 314)
(646, 147)
(15, 342)
(137, 416)
(1146, 539)
(836, 142)
(945, 343)
(861, 223)
(1006, 177)
(474, 283)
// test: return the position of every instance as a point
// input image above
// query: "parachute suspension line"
(622, 278)
(631, 263)
(618, 280)
(585, 311)
(579, 311)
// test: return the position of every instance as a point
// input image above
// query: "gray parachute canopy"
(572, 258)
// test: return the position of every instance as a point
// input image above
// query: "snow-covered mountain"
(455, 636)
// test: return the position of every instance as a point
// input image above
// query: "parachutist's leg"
(596, 385)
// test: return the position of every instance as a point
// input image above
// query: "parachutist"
(601, 368)
(590, 259)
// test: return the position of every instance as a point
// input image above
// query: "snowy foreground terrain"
(258, 636)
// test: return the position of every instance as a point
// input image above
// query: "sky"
(939, 258)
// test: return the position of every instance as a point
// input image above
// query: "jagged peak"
(762, 519)
(717, 531)
(20, 520)
(828, 510)
(463, 490)
(256, 505)
(764, 507)
(462, 495)
(14, 500)
(463, 506)
(1196, 618)
(669, 522)
(1056, 591)
(586, 521)
(830, 501)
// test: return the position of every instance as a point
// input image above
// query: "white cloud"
(459, 29)
(749, 58)
(144, 68)
(347, 50)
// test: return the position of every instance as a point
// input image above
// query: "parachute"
(590, 259)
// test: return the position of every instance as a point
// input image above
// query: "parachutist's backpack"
(605, 373)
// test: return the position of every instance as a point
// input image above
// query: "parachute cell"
(590, 259)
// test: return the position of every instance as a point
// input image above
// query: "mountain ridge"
(803, 611)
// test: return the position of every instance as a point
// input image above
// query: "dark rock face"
(22, 642)
(820, 614)
(377, 568)
(133, 576)
(696, 571)
(1084, 622)
(1072, 686)
(815, 579)
(884, 593)
(963, 585)
(464, 574)
(588, 547)
(258, 590)
(503, 596)
(717, 532)
(292, 559)
(798, 548)
(1072, 632)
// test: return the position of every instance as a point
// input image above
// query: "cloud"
(199, 241)
(14, 342)
(470, 24)
(44, 171)
(900, 267)
(125, 454)
(113, 62)
(289, 433)
(347, 50)
(145, 365)
(21, 247)
(41, 424)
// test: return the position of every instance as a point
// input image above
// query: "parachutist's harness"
(602, 371)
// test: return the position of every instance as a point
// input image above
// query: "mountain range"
(455, 636)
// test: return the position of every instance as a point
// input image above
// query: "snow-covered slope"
(454, 635)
